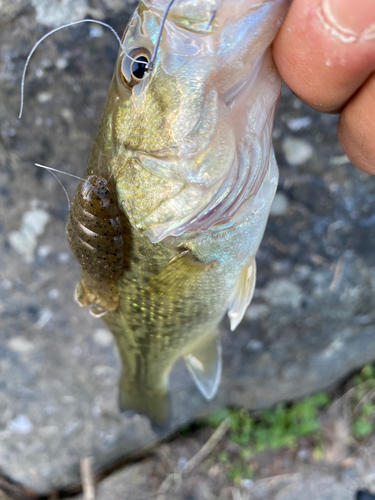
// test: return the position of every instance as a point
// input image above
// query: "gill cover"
(197, 140)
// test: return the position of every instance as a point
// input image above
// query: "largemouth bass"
(178, 188)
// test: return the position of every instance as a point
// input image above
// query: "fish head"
(187, 138)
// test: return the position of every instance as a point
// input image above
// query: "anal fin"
(242, 294)
(205, 364)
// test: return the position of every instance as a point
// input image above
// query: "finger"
(325, 50)
(356, 129)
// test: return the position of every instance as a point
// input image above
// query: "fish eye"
(134, 66)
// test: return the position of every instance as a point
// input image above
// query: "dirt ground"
(283, 474)
(198, 464)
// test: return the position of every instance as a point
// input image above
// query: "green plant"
(366, 374)
(223, 457)
(240, 471)
(279, 427)
(363, 402)
(283, 425)
(361, 427)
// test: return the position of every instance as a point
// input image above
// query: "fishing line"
(150, 65)
(47, 35)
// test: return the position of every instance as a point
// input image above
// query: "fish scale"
(156, 343)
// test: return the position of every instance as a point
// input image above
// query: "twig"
(206, 449)
(344, 401)
(88, 487)
(337, 275)
(279, 477)
(236, 494)
(321, 261)
(366, 398)
(165, 486)
(281, 247)
(285, 489)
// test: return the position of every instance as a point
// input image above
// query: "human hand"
(325, 52)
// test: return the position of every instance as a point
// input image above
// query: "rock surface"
(312, 320)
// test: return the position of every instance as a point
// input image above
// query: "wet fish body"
(188, 147)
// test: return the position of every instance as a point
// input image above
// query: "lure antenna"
(47, 35)
(58, 180)
(150, 65)
(59, 171)
(52, 170)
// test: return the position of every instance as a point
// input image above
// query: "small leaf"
(362, 427)
(223, 457)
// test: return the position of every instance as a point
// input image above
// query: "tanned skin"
(325, 52)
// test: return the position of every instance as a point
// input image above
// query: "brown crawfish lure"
(95, 235)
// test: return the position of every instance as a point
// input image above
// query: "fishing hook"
(213, 14)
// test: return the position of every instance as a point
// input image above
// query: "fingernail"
(351, 17)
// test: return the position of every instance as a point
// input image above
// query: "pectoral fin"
(242, 294)
(184, 270)
(204, 364)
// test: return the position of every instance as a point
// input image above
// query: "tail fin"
(154, 403)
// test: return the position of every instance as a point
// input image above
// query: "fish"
(178, 187)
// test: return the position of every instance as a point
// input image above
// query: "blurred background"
(310, 326)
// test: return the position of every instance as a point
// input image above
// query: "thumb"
(325, 50)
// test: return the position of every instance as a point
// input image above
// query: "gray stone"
(296, 151)
(307, 485)
(279, 205)
(103, 337)
(58, 375)
(20, 345)
(299, 123)
(256, 311)
(24, 241)
(283, 292)
(54, 13)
